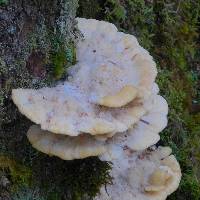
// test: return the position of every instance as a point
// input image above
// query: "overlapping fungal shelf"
(108, 107)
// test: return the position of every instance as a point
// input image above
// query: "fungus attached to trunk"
(146, 175)
(67, 110)
(109, 107)
(65, 147)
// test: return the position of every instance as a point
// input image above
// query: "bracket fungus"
(108, 107)
(65, 147)
(151, 174)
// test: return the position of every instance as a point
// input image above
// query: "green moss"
(91, 9)
(19, 174)
(3, 2)
(59, 62)
(51, 177)
(115, 11)
(61, 59)
(72, 179)
(172, 89)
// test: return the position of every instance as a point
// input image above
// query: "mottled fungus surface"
(146, 175)
(67, 110)
(65, 147)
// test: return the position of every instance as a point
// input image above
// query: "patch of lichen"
(27, 193)
(36, 36)
(170, 31)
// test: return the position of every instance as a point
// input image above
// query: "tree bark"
(36, 46)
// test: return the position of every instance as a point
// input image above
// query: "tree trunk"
(36, 46)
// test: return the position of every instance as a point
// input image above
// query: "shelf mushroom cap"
(65, 109)
(118, 68)
(108, 146)
(145, 132)
(65, 147)
(146, 175)
(105, 84)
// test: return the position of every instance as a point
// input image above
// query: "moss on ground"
(170, 31)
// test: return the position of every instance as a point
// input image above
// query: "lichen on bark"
(30, 33)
